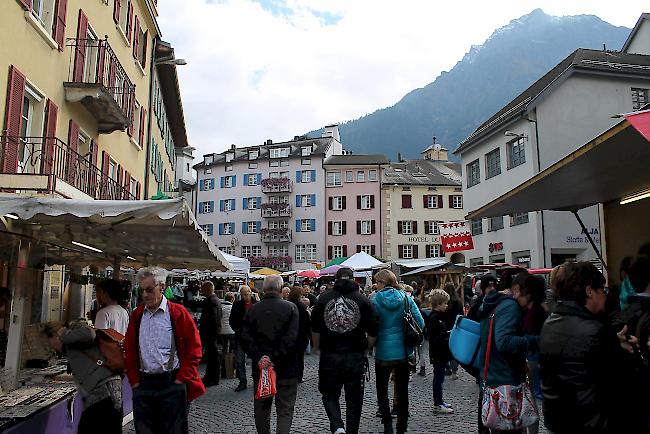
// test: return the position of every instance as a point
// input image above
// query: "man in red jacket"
(163, 351)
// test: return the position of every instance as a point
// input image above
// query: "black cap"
(344, 273)
(487, 280)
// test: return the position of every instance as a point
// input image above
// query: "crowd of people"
(582, 351)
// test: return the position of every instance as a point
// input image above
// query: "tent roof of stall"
(265, 271)
(139, 233)
(430, 269)
(336, 261)
(238, 264)
(360, 260)
(608, 168)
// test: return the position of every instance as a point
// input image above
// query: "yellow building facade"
(91, 107)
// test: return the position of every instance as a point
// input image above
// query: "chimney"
(332, 131)
(399, 157)
(268, 142)
(233, 147)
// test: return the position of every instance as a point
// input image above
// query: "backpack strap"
(489, 348)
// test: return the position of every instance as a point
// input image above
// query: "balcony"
(98, 81)
(276, 185)
(279, 263)
(270, 210)
(276, 235)
(46, 164)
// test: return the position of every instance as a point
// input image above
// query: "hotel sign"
(428, 240)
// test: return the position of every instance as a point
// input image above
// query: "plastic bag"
(266, 387)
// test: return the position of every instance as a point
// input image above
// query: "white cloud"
(255, 72)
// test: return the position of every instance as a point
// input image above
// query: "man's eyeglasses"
(150, 289)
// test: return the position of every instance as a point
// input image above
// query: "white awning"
(99, 232)
(361, 261)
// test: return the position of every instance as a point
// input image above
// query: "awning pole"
(591, 240)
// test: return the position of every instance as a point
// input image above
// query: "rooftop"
(423, 172)
(352, 159)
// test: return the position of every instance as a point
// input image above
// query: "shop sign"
(523, 259)
(495, 247)
(428, 240)
(583, 238)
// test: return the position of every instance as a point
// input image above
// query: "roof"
(430, 147)
(353, 159)
(628, 41)
(171, 94)
(583, 60)
(319, 146)
(588, 176)
(423, 172)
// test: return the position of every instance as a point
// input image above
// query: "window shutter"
(406, 201)
(372, 201)
(345, 250)
(234, 180)
(425, 201)
(117, 6)
(330, 202)
(440, 204)
(372, 227)
(245, 203)
(399, 228)
(106, 158)
(329, 228)
(400, 251)
(451, 201)
(136, 37)
(220, 228)
(73, 146)
(298, 176)
(313, 176)
(426, 228)
(415, 227)
(137, 190)
(222, 205)
(330, 252)
(312, 224)
(298, 225)
(59, 24)
(259, 178)
(144, 49)
(298, 200)
(80, 52)
(344, 229)
(222, 181)
(358, 248)
(415, 251)
(127, 185)
(51, 112)
(27, 4)
(129, 129)
(427, 251)
(129, 23)
(244, 227)
(258, 227)
(344, 200)
(313, 200)
(232, 204)
(246, 179)
(358, 226)
(372, 250)
(358, 202)
(211, 202)
(120, 179)
(143, 120)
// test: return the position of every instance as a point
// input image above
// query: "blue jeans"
(240, 362)
(438, 380)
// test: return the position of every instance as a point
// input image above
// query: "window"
(229, 156)
(337, 203)
(349, 176)
(228, 228)
(283, 224)
(228, 205)
(407, 227)
(112, 169)
(495, 224)
(361, 176)
(307, 200)
(337, 228)
(372, 175)
(305, 176)
(473, 173)
(407, 251)
(306, 161)
(337, 251)
(207, 184)
(406, 201)
(639, 98)
(125, 17)
(253, 154)
(477, 227)
(133, 187)
(432, 201)
(228, 249)
(228, 168)
(307, 225)
(367, 248)
(246, 251)
(457, 201)
(434, 251)
(208, 229)
(142, 46)
(274, 164)
(251, 227)
(284, 163)
(284, 175)
(43, 11)
(136, 124)
(228, 181)
(207, 171)
(473, 262)
(366, 201)
(256, 250)
(283, 250)
(432, 228)
(311, 252)
(333, 179)
(305, 151)
(278, 152)
(366, 227)
(300, 252)
(252, 165)
(516, 153)
(252, 179)
(519, 219)
(492, 163)
(252, 202)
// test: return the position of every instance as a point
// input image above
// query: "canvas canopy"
(239, 265)
(361, 261)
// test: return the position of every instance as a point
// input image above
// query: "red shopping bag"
(266, 387)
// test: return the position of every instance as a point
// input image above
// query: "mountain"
(487, 78)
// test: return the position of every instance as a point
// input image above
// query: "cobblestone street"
(221, 410)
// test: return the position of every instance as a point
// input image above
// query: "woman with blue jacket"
(391, 353)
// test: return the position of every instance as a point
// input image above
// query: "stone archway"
(457, 258)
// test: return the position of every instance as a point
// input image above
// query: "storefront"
(50, 251)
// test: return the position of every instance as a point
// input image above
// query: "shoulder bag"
(413, 334)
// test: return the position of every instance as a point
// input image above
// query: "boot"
(388, 427)
(422, 372)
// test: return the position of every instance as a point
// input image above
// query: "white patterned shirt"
(155, 340)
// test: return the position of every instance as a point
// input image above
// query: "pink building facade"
(353, 205)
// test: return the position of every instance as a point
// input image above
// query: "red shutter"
(358, 226)
(143, 119)
(73, 146)
(13, 119)
(427, 251)
(372, 250)
(330, 252)
(425, 201)
(358, 202)
(27, 4)
(129, 21)
(59, 24)
(415, 251)
(440, 204)
(426, 228)
(372, 227)
(330, 201)
(129, 129)
(400, 251)
(136, 37)
(117, 5)
(103, 185)
(80, 54)
(329, 228)
(137, 190)
(51, 112)
(144, 49)
(120, 181)
(345, 250)
(127, 185)
(358, 248)
(344, 229)
(372, 201)
(343, 202)
(406, 201)
(451, 201)
(415, 227)
(399, 227)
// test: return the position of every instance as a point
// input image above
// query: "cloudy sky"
(273, 69)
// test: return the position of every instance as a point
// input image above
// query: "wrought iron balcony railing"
(98, 80)
(276, 185)
(276, 235)
(270, 210)
(52, 157)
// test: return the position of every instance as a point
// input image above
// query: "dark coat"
(271, 329)
(210, 321)
(580, 360)
(438, 338)
(304, 327)
(237, 314)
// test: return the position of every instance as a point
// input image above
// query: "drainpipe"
(152, 69)
(539, 169)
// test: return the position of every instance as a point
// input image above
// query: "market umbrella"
(331, 270)
(312, 274)
(266, 271)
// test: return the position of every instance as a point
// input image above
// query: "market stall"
(37, 233)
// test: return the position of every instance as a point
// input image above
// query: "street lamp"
(176, 62)
(509, 133)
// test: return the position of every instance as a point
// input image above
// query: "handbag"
(507, 407)
(111, 347)
(465, 342)
(413, 334)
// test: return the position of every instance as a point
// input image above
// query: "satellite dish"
(437, 147)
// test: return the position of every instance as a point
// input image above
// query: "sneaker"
(242, 386)
(443, 409)
(340, 431)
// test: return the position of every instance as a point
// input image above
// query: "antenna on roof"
(434, 139)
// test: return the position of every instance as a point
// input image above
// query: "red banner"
(456, 237)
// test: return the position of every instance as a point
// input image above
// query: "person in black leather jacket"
(581, 360)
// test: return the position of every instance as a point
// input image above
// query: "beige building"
(417, 196)
(93, 109)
